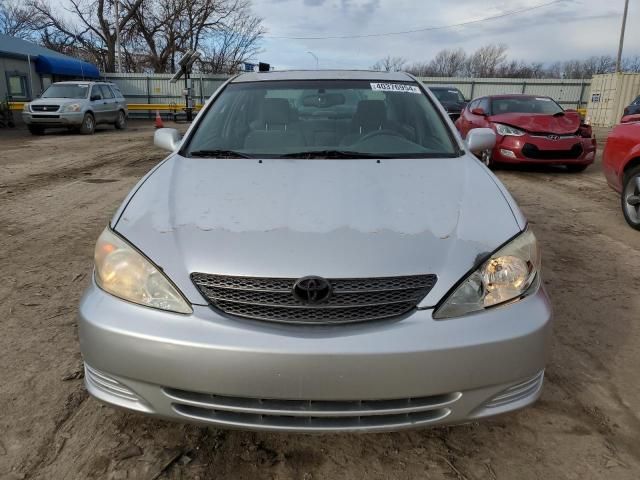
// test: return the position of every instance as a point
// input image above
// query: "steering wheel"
(377, 133)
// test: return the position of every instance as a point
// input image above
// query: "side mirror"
(96, 97)
(479, 111)
(480, 139)
(167, 138)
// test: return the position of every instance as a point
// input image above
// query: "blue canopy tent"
(66, 66)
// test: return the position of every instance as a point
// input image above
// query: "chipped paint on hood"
(333, 218)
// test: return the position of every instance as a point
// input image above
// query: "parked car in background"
(78, 106)
(303, 263)
(621, 166)
(633, 108)
(451, 99)
(530, 130)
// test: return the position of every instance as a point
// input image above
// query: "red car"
(621, 165)
(530, 130)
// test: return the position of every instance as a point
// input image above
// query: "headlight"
(124, 272)
(25, 107)
(512, 272)
(506, 130)
(72, 107)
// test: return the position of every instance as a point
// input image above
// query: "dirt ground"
(57, 192)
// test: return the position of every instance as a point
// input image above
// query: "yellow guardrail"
(164, 107)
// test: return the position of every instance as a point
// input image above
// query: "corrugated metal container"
(610, 93)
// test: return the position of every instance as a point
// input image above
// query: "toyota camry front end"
(321, 252)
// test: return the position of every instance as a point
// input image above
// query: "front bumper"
(53, 119)
(510, 149)
(376, 376)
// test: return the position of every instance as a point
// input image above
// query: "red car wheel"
(630, 198)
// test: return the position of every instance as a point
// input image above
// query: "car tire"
(576, 168)
(630, 197)
(485, 158)
(36, 130)
(88, 124)
(121, 121)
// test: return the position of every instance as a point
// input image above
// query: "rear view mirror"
(167, 138)
(323, 100)
(96, 97)
(480, 139)
(478, 111)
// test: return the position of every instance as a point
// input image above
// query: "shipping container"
(610, 93)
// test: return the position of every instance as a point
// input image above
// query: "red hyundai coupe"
(530, 130)
(621, 165)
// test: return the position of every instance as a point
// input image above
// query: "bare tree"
(88, 25)
(228, 48)
(484, 62)
(389, 64)
(163, 29)
(448, 63)
(16, 19)
(631, 64)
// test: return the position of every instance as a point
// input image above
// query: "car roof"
(515, 95)
(75, 82)
(280, 75)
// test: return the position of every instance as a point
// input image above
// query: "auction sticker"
(395, 87)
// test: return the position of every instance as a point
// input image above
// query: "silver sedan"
(321, 252)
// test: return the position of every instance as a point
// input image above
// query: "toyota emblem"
(553, 137)
(312, 290)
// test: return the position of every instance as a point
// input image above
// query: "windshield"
(79, 90)
(330, 117)
(542, 105)
(448, 95)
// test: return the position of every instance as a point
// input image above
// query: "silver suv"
(78, 106)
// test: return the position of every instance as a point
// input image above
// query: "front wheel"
(121, 121)
(36, 130)
(576, 168)
(88, 124)
(630, 198)
(485, 157)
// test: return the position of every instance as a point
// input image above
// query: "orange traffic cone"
(159, 123)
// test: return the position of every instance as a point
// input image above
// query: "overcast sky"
(569, 29)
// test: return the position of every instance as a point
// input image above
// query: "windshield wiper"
(331, 154)
(218, 154)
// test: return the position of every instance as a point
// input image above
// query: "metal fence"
(156, 89)
(569, 93)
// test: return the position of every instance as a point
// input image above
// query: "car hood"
(332, 218)
(55, 101)
(539, 123)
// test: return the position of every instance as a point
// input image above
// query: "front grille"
(550, 134)
(531, 151)
(46, 116)
(311, 415)
(45, 108)
(352, 300)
